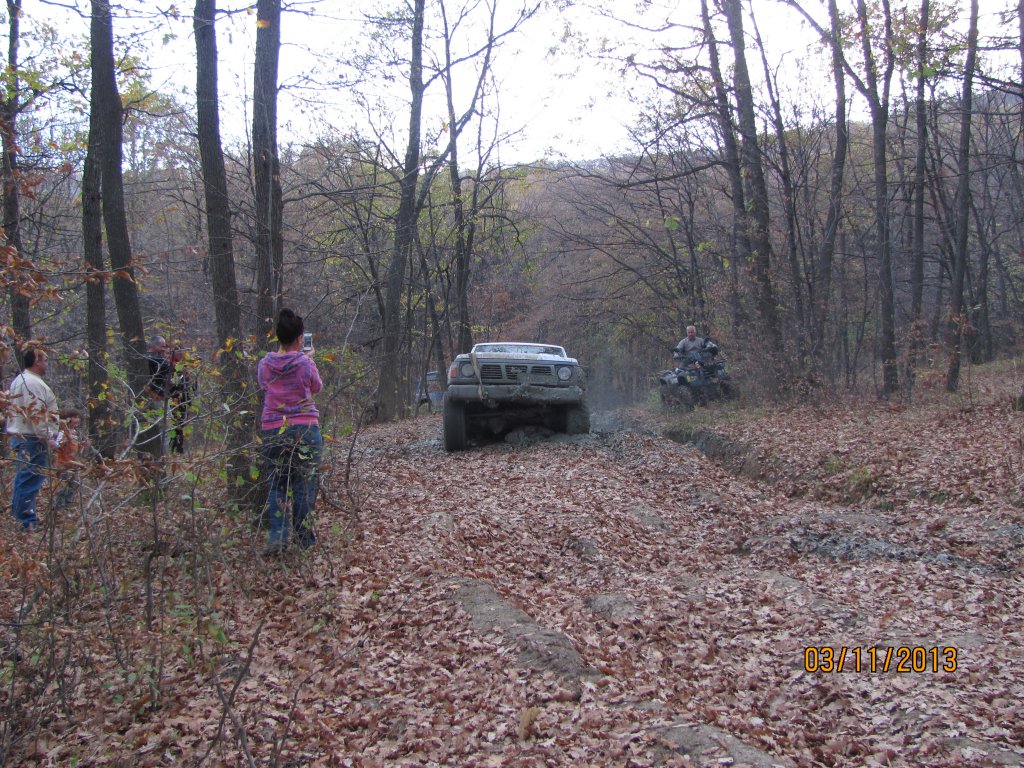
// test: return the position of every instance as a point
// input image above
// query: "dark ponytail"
(289, 327)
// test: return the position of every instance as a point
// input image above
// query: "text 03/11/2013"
(901, 659)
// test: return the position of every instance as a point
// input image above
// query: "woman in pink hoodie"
(292, 443)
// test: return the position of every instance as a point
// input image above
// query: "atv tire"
(677, 397)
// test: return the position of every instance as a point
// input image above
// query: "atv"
(697, 378)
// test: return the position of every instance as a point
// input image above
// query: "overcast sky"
(554, 99)
(553, 93)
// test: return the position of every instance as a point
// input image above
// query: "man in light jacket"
(692, 343)
(33, 424)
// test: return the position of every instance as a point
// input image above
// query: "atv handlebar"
(709, 348)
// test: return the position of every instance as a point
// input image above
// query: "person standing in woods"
(181, 392)
(32, 424)
(292, 443)
(153, 436)
(67, 446)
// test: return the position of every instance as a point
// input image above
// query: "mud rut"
(625, 596)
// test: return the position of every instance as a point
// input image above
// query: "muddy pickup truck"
(498, 386)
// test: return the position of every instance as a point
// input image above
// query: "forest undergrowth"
(612, 599)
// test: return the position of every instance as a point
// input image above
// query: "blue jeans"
(32, 457)
(292, 456)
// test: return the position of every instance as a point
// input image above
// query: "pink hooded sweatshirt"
(288, 380)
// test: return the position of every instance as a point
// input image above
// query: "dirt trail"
(621, 599)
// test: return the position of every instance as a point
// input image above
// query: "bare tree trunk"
(878, 103)
(266, 168)
(463, 251)
(465, 226)
(875, 88)
(463, 232)
(821, 305)
(107, 110)
(740, 242)
(920, 169)
(10, 177)
(788, 204)
(389, 399)
(436, 346)
(102, 430)
(756, 188)
(984, 346)
(956, 332)
(234, 391)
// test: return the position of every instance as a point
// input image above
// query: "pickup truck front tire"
(454, 425)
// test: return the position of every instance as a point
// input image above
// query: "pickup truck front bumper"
(525, 394)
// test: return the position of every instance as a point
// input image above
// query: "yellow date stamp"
(904, 659)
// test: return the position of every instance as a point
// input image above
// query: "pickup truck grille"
(513, 373)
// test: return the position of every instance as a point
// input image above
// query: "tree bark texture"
(957, 329)
(102, 430)
(788, 205)
(878, 103)
(821, 302)
(269, 210)
(740, 241)
(389, 396)
(756, 188)
(235, 391)
(920, 171)
(463, 237)
(10, 177)
(215, 184)
(106, 107)
(464, 226)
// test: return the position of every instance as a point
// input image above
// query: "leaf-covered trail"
(690, 596)
(616, 599)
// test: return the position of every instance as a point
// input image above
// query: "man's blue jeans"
(32, 457)
(292, 456)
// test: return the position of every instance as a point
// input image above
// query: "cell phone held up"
(307, 342)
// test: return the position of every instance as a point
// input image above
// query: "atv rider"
(693, 343)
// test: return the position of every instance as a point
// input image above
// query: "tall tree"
(218, 230)
(826, 256)
(101, 428)
(464, 212)
(740, 241)
(789, 201)
(756, 187)
(389, 398)
(269, 210)
(875, 87)
(1020, 48)
(10, 175)
(106, 121)
(920, 172)
(957, 320)
(464, 230)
